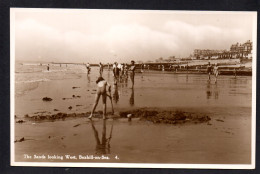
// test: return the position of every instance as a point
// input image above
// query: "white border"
(130, 165)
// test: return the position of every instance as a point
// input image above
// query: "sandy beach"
(224, 139)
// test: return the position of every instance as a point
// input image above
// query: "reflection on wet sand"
(132, 98)
(115, 94)
(102, 147)
(212, 91)
(88, 77)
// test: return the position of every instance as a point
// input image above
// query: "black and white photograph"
(133, 88)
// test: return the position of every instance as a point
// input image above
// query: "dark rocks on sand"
(56, 110)
(209, 123)
(219, 120)
(138, 113)
(76, 125)
(46, 99)
(70, 107)
(22, 139)
(20, 121)
(74, 96)
(74, 87)
(57, 116)
(168, 117)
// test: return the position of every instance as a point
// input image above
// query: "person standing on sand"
(126, 71)
(132, 72)
(209, 69)
(142, 68)
(119, 66)
(48, 67)
(116, 73)
(88, 67)
(216, 72)
(114, 68)
(100, 68)
(102, 91)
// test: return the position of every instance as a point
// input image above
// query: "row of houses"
(241, 51)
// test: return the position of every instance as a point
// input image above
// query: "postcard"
(133, 88)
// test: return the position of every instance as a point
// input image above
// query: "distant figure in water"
(100, 68)
(101, 91)
(216, 72)
(88, 67)
(235, 72)
(209, 69)
(142, 67)
(132, 73)
(48, 67)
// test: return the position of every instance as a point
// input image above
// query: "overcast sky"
(61, 35)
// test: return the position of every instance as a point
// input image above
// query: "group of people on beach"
(212, 70)
(120, 71)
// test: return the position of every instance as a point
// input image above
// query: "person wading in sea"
(101, 68)
(88, 67)
(216, 72)
(209, 69)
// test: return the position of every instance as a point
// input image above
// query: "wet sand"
(225, 139)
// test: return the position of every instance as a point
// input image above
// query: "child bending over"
(102, 84)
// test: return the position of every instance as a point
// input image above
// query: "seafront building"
(236, 51)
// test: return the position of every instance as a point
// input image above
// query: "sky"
(70, 35)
